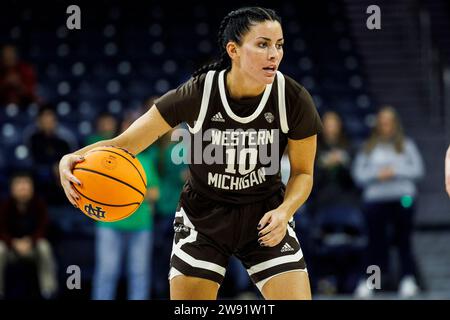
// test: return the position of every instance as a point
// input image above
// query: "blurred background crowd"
(378, 196)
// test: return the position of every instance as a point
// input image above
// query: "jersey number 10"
(244, 153)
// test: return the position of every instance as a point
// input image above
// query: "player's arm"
(301, 157)
(142, 133)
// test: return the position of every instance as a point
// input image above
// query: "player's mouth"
(270, 70)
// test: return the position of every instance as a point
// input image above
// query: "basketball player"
(232, 207)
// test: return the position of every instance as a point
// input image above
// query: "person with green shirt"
(130, 238)
(172, 178)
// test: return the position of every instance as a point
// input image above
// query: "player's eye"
(262, 44)
(280, 46)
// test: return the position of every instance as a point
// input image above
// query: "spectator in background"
(333, 183)
(46, 148)
(23, 222)
(447, 171)
(106, 128)
(387, 168)
(335, 209)
(133, 237)
(17, 78)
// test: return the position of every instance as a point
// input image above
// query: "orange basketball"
(113, 184)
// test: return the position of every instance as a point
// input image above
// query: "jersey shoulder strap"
(205, 102)
(282, 102)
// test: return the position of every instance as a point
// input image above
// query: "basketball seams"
(143, 181)
(104, 204)
(113, 178)
(124, 217)
(104, 211)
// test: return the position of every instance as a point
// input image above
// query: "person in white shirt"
(387, 169)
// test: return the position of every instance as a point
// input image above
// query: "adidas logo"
(286, 248)
(218, 117)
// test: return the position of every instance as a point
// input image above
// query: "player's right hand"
(66, 166)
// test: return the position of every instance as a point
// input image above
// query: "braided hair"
(234, 27)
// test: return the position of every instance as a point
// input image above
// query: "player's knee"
(185, 287)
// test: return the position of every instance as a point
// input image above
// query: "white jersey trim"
(178, 251)
(261, 283)
(280, 260)
(174, 273)
(275, 262)
(282, 102)
(205, 101)
(228, 110)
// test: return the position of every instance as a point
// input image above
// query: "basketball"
(113, 184)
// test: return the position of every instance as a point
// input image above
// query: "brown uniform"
(234, 157)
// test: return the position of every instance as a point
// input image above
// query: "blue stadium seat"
(17, 156)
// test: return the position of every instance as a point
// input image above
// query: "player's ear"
(232, 49)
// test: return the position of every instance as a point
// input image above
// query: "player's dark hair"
(234, 27)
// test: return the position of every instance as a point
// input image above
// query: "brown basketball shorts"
(207, 233)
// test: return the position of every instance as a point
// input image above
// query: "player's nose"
(273, 54)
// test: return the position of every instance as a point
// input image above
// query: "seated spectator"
(387, 169)
(17, 79)
(46, 149)
(23, 222)
(337, 225)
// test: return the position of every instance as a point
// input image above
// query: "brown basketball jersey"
(235, 146)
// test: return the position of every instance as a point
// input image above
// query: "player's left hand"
(272, 227)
